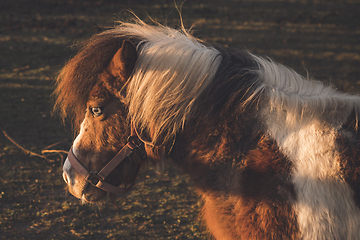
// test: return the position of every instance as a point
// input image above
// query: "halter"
(97, 178)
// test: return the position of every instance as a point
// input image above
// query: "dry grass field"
(316, 37)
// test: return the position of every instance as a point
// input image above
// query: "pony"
(274, 155)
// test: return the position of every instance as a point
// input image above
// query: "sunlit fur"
(273, 154)
(301, 98)
(303, 117)
(163, 88)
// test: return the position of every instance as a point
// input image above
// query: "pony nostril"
(66, 178)
(66, 171)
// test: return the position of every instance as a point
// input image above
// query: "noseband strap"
(97, 179)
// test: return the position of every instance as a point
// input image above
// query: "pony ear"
(123, 63)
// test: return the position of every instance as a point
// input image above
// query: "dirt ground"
(316, 37)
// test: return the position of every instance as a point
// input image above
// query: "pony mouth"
(85, 191)
(82, 189)
(92, 194)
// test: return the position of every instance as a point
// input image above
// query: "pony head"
(89, 91)
(129, 81)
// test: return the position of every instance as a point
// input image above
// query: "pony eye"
(96, 111)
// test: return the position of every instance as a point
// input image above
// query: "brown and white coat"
(274, 155)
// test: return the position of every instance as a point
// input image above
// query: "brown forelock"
(348, 144)
(80, 75)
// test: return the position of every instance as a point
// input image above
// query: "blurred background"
(320, 38)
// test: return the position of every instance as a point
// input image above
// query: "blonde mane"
(300, 98)
(172, 70)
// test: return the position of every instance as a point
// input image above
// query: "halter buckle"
(94, 178)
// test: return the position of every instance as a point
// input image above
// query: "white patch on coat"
(303, 117)
(301, 98)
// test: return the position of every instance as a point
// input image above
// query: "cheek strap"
(97, 178)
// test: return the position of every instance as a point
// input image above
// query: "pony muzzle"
(97, 178)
